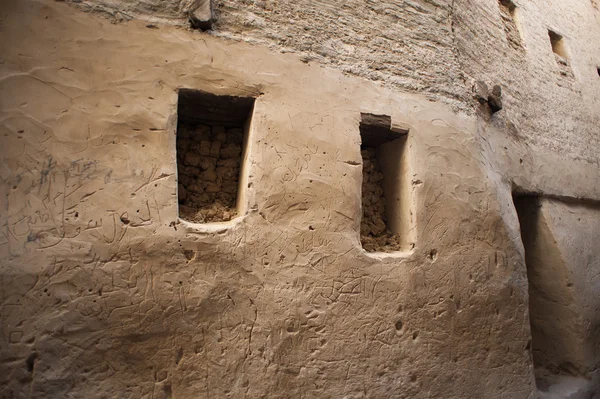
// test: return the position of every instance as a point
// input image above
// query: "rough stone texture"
(208, 168)
(507, 12)
(564, 70)
(531, 80)
(169, 11)
(105, 292)
(374, 234)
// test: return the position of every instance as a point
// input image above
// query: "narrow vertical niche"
(212, 135)
(558, 44)
(561, 55)
(554, 323)
(508, 13)
(386, 217)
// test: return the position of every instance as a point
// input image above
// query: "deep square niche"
(385, 201)
(212, 132)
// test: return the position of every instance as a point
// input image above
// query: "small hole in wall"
(510, 6)
(30, 362)
(398, 325)
(432, 255)
(598, 70)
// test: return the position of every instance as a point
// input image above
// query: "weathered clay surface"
(105, 292)
(438, 48)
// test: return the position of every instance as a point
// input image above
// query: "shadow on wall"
(560, 342)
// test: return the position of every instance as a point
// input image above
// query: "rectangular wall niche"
(560, 54)
(385, 198)
(558, 44)
(555, 330)
(509, 20)
(212, 132)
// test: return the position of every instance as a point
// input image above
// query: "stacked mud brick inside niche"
(382, 149)
(211, 135)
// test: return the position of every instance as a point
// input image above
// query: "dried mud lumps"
(374, 234)
(208, 161)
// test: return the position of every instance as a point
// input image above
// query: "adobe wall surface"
(438, 48)
(106, 293)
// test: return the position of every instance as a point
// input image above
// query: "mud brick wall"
(287, 303)
(374, 234)
(208, 165)
(436, 48)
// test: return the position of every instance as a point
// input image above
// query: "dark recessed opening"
(201, 17)
(558, 44)
(384, 201)
(211, 137)
(509, 5)
(598, 70)
(195, 106)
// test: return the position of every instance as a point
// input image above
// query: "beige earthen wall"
(105, 292)
(437, 48)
